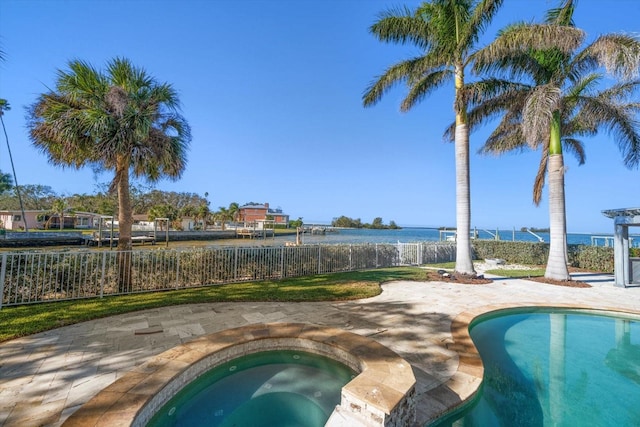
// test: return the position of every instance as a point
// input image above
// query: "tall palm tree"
(121, 120)
(554, 95)
(4, 106)
(447, 32)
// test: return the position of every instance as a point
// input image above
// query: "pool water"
(274, 388)
(556, 369)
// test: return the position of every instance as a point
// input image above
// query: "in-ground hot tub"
(382, 394)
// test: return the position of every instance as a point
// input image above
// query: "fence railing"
(34, 277)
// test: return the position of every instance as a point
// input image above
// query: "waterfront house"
(13, 220)
(259, 213)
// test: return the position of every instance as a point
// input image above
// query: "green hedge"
(529, 253)
(594, 258)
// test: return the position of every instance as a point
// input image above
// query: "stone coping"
(383, 382)
(464, 384)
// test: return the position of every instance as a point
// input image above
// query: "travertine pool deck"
(46, 377)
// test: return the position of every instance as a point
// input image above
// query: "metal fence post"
(177, 269)
(282, 262)
(376, 255)
(103, 273)
(235, 264)
(319, 255)
(2, 277)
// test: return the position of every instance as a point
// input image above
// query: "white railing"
(34, 277)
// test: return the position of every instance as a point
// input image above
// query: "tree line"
(154, 203)
(346, 222)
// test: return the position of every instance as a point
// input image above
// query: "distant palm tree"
(122, 120)
(552, 96)
(202, 212)
(6, 182)
(446, 31)
(4, 106)
(166, 211)
(227, 214)
(58, 208)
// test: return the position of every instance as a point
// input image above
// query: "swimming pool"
(561, 368)
(284, 388)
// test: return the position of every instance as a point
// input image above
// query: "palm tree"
(6, 182)
(227, 214)
(4, 106)
(120, 120)
(58, 208)
(554, 95)
(446, 31)
(163, 211)
(202, 212)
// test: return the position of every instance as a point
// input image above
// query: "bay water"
(415, 234)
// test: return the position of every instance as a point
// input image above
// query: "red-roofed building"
(256, 213)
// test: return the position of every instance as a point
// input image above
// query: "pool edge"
(383, 390)
(463, 386)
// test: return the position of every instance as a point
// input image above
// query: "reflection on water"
(556, 369)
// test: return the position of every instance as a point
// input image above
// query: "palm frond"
(506, 137)
(399, 25)
(520, 39)
(621, 120)
(537, 112)
(619, 54)
(538, 183)
(395, 74)
(490, 90)
(575, 147)
(421, 89)
(562, 15)
(480, 18)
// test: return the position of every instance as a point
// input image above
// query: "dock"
(253, 233)
(318, 229)
(107, 240)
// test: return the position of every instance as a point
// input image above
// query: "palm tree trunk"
(125, 216)
(557, 262)
(15, 178)
(464, 261)
(125, 220)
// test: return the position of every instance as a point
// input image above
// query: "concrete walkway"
(46, 377)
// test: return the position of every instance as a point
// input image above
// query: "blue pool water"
(556, 369)
(274, 388)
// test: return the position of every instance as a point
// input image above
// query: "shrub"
(594, 258)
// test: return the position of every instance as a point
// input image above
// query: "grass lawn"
(534, 272)
(502, 272)
(29, 319)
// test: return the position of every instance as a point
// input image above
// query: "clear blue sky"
(272, 90)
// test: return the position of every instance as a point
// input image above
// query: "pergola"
(626, 270)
